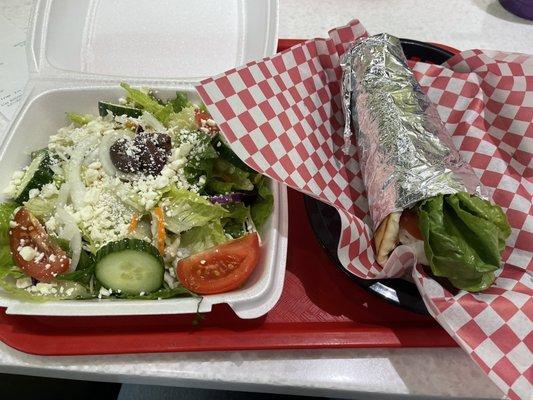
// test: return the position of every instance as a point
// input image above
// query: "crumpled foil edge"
(404, 151)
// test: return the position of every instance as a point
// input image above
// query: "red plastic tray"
(320, 307)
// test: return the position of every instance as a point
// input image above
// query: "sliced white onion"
(61, 155)
(56, 169)
(152, 121)
(103, 152)
(62, 198)
(105, 156)
(153, 229)
(91, 157)
(73, 173)
(72, 233)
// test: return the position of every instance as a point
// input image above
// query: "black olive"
(121, 159)
(153, 151)
(147, 153)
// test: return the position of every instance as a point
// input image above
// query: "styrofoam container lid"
(162, 39)
(78, 52)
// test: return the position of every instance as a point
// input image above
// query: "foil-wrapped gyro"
(420, 192)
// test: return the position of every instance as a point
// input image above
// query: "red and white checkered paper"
(283, 117)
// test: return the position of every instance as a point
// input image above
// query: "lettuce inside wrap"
(464, 237)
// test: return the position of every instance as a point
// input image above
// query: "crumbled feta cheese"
(23, 283)
(33, 193)
(161, 181)
(10, 190)
(86, 213)
(51, 224)
(28, 253)
(46, 288)
(104, 292)
(95, 165)
(110, 201)
(182, 151)
(168, 172)
(13, 224)
(39, 257)
(210, 122)
(91, 175)
(49, 190)
(18, 175)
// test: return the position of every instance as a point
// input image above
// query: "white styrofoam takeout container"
(79, 52)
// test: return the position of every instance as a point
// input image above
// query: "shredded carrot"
(161, 233)
(133, 224)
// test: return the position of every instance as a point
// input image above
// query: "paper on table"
(282, 116)
(13, 67)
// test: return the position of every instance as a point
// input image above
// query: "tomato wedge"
(409, 222)
(33, 250)
(200, 116)
(221, 268)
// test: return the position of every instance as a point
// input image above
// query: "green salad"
(144, 201)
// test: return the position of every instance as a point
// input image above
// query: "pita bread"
(386, 236)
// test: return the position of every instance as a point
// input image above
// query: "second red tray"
(320, 307)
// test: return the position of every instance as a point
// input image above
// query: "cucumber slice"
(132, 266)
(117, 109)
(222, 147)
(37, 175)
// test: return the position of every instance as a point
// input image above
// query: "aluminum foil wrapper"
(405, 154)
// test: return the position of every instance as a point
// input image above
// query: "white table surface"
(446, 372)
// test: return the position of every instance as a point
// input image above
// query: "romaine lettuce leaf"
(164, 293)
(11, 271)
(5, 256)
(84, 270)
(6, 212)
(185, 210)
(147, 102)
(185, 119)
(234, 177)
(64, 290)
(78, 292)
(235, 222)
(463, 238)
(180, 102)
(201, 238)
(41, 208)
(225, 152)
(80, 119)
(214, 186)
(200, 159)
(262, 207)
